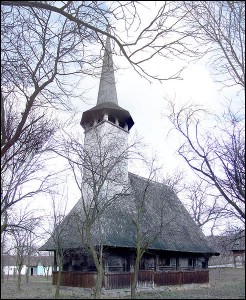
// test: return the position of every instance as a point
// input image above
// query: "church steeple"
(107, 108)
(107, 88)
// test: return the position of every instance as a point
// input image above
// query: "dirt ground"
(224, 284)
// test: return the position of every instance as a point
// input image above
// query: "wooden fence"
(123, 280)
(76, 279)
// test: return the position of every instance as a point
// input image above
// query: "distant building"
(231, 248)
(39, 265)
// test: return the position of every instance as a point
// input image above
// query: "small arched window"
(121, 124)
(111, 119)
(100, 119)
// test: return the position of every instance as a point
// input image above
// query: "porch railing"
(123, 280)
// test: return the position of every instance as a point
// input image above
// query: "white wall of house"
(33, 270)
(12, 270)
(43, 271)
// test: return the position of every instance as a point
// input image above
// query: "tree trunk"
(28, 267)
(97, 294)
(2, 274)
(58, 284)
(19, 280)
(135, 279)
(47, 274)
(98, 263)
(2, 261)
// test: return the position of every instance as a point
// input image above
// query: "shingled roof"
(109, 108)
(179, 233)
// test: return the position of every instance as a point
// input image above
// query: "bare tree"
(216, 154)
(22, 164)
(219, 31)
(47, 47)
(56, 231)
(32, 49)
(20, 241)
(146, 231)
(28, 62)
(3, 252)
(175, 180)
(231, 239)
(47, 264)
(64, 26)
(31, 249)
(148, 212)
(101, 174)
(204, 206)
(7, 248)
(21, 236)
(161, 36)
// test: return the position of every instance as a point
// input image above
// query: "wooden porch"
(123, 280)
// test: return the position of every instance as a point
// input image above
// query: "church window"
(111, 119)
(122, 125)
(164, 262)
(190, 262)
(100, 119)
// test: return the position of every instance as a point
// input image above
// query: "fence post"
(104, 283)
(181, 277)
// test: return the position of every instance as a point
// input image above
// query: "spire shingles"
(107, 101)
(107, 88)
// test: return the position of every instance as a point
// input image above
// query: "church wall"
(105, 153)
(122, 260)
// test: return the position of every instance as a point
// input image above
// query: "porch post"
(177, 263)
(55, 261)
(132, 264)
(157, 262)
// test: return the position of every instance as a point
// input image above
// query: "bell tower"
(107, 127)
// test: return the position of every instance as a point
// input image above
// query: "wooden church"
(172, 240)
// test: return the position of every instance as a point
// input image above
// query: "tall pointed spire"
(107, 108)
(107, 88)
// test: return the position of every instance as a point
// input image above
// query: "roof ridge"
(153, 181)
